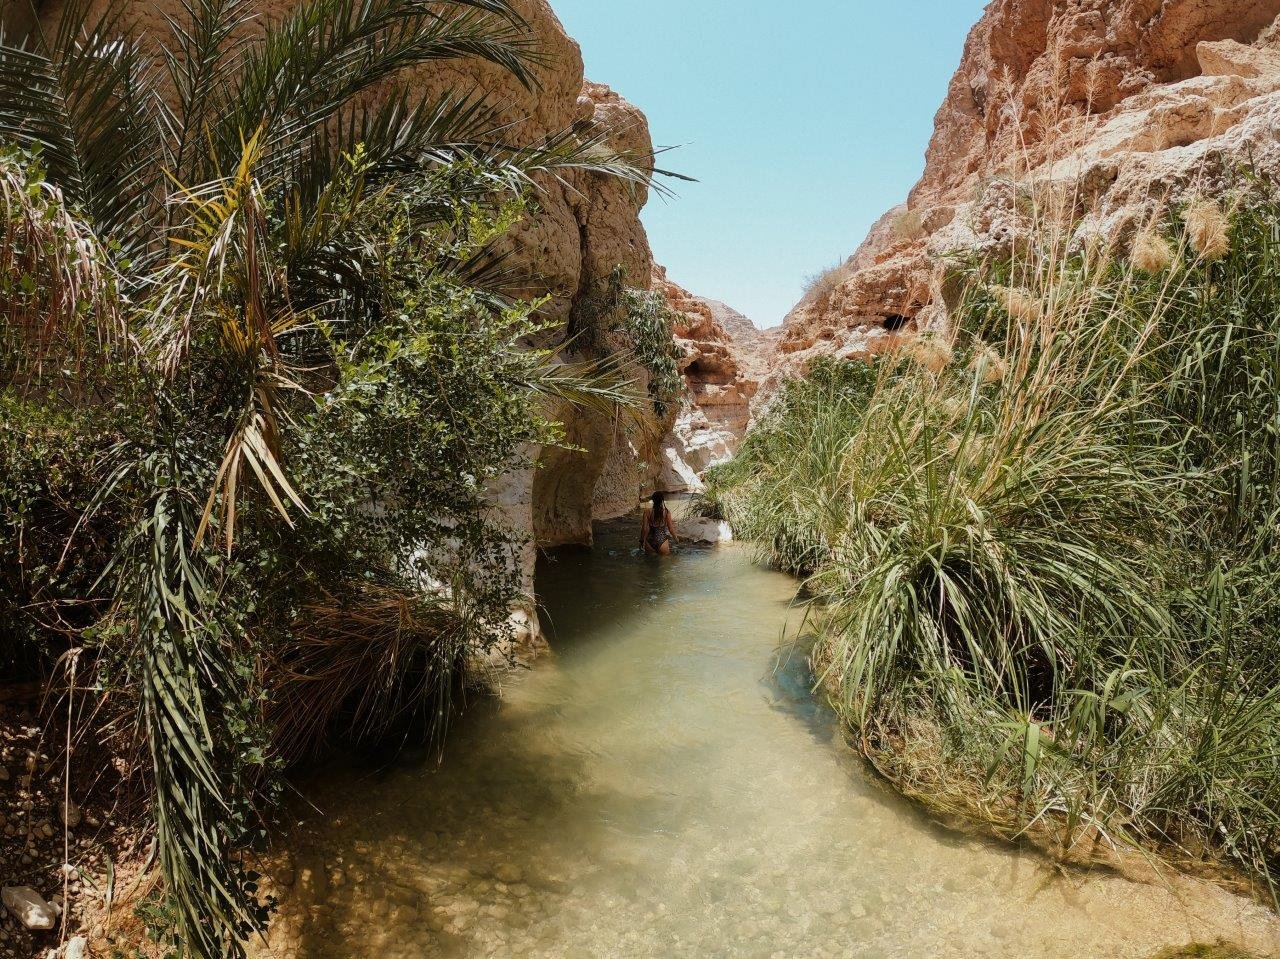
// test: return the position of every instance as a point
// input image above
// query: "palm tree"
(221, 171)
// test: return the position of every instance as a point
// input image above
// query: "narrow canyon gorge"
(750, 748)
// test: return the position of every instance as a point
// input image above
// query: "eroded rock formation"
(1142, 103)
(722, 372)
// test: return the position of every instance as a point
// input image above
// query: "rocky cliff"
(1140, 103)
(720, 361)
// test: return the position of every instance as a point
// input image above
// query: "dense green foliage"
(650, 322)
(644, 322)
(258, 368)
(1043, 547)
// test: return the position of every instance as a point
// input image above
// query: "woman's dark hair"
(659, 509)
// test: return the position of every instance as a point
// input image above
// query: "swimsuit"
(658, 532)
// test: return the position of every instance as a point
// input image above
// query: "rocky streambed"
(664, 784)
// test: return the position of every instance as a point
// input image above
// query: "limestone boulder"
(702, 529)
(28, 907)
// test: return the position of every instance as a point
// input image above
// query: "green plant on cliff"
(651, 324)
(646, 323)
(259, 365)
(1042, 549)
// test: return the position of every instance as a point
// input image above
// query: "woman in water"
(657, 529)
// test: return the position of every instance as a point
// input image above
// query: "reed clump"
(1044, 574)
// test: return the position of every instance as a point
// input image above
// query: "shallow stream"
(663, 784)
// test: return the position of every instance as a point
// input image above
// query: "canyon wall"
(1138, 104)
(720, 361)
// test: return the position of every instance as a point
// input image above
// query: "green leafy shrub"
(260, 361)
(647, 326)
(650, 322)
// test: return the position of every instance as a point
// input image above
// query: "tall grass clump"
(1043, 554)
(784, 482)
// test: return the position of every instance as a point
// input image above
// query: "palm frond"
(490, 270)
(86, 100)
(209, 42)
(562, 153)
(600, 386)
(225, 275)
(393, 137)
(254, 443)
(327, 53)
(163, 584)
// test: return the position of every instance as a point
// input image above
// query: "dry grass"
(906, 225)
(59, 305)
(1207, 229)
(821, 286)
(365, 664)
(1152, 253)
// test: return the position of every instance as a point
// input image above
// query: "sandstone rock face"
(722, 371)
(1142, 103)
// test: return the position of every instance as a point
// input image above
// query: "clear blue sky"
(803, 121)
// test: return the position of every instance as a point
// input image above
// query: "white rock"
(702, 529)
(28, 907)
(677, 476)
(77, 948)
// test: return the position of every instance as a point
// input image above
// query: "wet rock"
(28, 907)
(509, 873)
(702, 529)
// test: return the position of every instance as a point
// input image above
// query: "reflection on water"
(656, 788)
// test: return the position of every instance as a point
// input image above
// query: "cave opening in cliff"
(894, 322)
